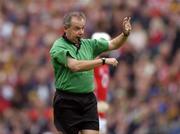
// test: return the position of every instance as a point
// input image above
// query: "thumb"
(129, 19)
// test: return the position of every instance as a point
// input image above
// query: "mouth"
(77, 39)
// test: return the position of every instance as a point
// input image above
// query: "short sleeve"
(59, 54)
(99, 46)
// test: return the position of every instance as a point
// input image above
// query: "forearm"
(83, 65)
(117, 41)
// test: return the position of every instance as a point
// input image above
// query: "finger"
(125, 19)
(129, 19)
(116, 62)
(124, 22)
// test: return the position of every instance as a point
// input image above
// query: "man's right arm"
(85, 65)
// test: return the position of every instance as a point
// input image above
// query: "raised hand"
(126, 26)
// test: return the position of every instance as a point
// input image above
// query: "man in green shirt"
(73, 59)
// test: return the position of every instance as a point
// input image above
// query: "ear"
(65, 29)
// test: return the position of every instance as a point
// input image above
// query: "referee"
(73, 60)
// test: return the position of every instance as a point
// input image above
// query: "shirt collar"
(78, 46)
(66, 39)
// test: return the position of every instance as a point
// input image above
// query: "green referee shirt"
(65, 79)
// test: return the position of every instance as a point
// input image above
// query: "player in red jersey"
(101, 74)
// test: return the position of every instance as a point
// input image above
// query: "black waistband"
(61, 91)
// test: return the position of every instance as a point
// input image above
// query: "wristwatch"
(103, 60)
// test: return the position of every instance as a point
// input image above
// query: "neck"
(76, 43)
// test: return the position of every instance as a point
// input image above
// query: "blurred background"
(144, 90)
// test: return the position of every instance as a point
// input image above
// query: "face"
(76, 29)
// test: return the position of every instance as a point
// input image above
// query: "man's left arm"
(120, 39)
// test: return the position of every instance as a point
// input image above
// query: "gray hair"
(69, 16)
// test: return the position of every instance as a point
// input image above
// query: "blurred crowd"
(144, 90)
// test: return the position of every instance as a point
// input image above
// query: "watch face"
(103, 60)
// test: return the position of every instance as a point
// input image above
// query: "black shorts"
(75, 111)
